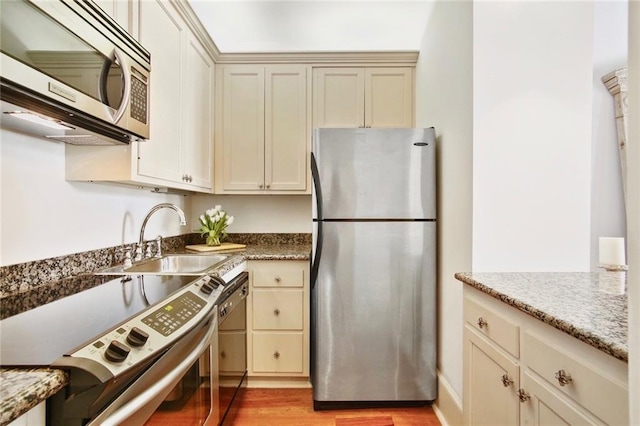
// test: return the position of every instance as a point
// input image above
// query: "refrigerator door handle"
(315, 261)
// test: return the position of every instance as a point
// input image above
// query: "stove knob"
(207, 288)
(137, 337)
(117, 352)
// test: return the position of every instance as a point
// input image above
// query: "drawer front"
(236, 320)
(278, 309)
(545, 407)
(495, 327)
(278, 274)
(582, 383)
(232, 351)
(277, 352)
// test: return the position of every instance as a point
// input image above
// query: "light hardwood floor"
(294, 407)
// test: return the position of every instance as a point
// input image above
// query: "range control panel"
(155, 328)
(175, 314)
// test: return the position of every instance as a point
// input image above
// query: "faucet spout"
(183, 219)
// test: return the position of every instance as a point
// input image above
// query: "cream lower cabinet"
(179, 152)
(363, 97)
(520, 371)
(263, 133)
(278, 319)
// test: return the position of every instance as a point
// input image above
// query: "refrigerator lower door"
(374, 313)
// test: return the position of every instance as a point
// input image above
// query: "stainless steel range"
(127, 344)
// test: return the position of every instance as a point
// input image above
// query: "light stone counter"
(590, 306)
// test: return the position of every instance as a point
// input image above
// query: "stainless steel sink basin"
(172, 264)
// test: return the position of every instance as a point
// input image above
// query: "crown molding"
(397, 58)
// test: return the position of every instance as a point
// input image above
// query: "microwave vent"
(81, 140)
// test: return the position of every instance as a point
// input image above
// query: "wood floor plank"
(294, 407)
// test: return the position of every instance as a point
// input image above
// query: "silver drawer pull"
(482, 323)
(222, 354)
(276, 354)
(563, 378)
(276, 311)
(506, 381)
(523, 396)
(278, 279)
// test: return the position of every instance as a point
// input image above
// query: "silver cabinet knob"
(223, 354)
(506, 381)
(563, 377)
(482, 323)
(268, 185)
(276, 312)
(523, 396)
(260, 186)
(276, 354)
(278, 279)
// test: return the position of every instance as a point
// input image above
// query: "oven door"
(173, 389)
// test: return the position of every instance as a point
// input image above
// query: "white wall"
(444, 100)
(532, 76)
(633, 223)
(276, 26)
(610, 49)
(259, 213)
(44, 216)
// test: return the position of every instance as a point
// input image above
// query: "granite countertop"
(22, 389)
(590, 306)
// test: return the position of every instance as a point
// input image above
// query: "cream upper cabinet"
(363, 97)
(518, 370)
(179, 152)
(262, 131)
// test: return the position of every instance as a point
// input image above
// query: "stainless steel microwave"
(70, 73)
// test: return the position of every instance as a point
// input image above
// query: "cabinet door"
(545, 407)
(162, 32)
(487, 400)
(242, 155)
(388, 97)
(339, 97)
(197, 142)
(287, 138)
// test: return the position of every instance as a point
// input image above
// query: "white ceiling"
(313, 25)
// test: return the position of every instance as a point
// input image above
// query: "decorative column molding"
(616, 83)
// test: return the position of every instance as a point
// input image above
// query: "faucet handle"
(127, 259)
(159, 246)
(138, 252)
(147, 252)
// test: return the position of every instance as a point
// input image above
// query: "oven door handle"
(165, 384)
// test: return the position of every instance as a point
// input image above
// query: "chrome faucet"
(183, 222)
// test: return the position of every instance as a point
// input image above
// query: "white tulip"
(202, 218)
(218, 207)
(210, 212)
(230, 220)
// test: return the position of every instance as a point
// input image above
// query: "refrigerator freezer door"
(374, 313)
(376, 173)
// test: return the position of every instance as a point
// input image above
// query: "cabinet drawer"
(586, 385)
(278, 309)
(278, 274)
(232, 351)
(495, 327)
(277, 352)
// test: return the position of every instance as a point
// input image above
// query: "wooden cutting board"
(221, 247)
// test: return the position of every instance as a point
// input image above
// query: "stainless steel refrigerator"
(373, 268)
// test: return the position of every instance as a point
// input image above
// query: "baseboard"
(448, 407)
(278, 382)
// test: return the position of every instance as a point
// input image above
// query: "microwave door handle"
(126, 74)
(166, 383)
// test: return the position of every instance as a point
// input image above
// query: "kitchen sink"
(171, 264)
